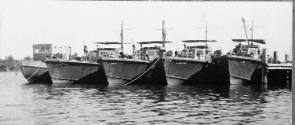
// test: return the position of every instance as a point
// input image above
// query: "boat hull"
(135, 72)
(35, 72)
(237, 70)
(116, 81)
(78, 72)
(185, 71)
(174, 82)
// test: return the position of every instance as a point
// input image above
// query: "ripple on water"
(74, 104)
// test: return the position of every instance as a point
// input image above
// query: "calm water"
(58, 105)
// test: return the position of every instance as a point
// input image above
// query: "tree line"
(9, 63)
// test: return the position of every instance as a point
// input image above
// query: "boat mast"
(243, 20)
(206, 31)
(252, 30)
(121, 35)
(163, 33)
(70, 55)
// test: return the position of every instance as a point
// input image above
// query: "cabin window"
(141, 53)
(252, 51)
(191, 53)
(200, 52)
(104, 54)
(152, 53)
(157, 52)
(183, 53)
(169, 53)
(42, 49)
(48, 49)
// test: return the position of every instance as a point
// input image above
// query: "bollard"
(275, 57)
(286, 58)
(263, 56)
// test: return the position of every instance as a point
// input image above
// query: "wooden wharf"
(279, 73)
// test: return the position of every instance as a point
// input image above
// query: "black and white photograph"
(92, 62)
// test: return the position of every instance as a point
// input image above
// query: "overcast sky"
(24, 23)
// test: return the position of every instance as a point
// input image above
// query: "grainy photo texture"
(145, 62)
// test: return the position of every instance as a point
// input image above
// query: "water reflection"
(85, 104)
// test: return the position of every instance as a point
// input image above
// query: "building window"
(42, 49)
(36, 50)
(48, 49)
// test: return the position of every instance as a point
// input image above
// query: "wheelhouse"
(152, 49)
(106, 50)
(199, 52)
(249, 49)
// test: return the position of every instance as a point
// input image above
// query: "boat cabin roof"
(199, 41)
(152, 42)
(110, 42)
(250, 46)
(154, 47)
(261, 41)
(198, 47)
(107, 48)
(42, 44)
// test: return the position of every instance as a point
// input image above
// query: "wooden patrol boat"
(84, 71)
(190, 67)
(121, 69)
(35, 71)
(130, 69)
(246, 64)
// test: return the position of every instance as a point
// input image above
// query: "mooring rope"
(39, 67)
(143, 72)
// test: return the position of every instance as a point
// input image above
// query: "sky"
(75, 23)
